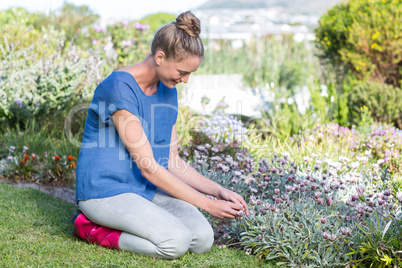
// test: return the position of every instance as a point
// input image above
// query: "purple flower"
(277, 191)
(94, 42)
(329, 201)
(18, 102)
(288, 188)
(387, 192)
(99, 29)
(332, 237)
(320, 201)
(325, 235)
(323, 220)
(127, 43)
(140, 26)
(317, 194)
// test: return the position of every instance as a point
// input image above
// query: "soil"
(62, 192)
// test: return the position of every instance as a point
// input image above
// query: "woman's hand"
(223, 209)
(228, 195)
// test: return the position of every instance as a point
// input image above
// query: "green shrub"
(383, 101)
(18, 32)
(37, 86)
(365, 37)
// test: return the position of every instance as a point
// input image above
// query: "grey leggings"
(164, 227)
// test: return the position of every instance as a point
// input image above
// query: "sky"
(120, 9)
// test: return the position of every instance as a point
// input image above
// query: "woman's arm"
(133, 136)
(190, 176)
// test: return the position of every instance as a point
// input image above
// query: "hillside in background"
(306, 7)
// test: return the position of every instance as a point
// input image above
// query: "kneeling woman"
(133, 190)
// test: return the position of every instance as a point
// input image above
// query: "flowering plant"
(308, 211)
(28, 166)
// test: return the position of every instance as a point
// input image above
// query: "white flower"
(314, 155)
(201, 148)
(344, 159)
(367, 152)
(364, 159)
(375, 165)
(10, 158)
(380, 162)
(306, 158)
(286, 155)
(355, 164)
(25, 148)
(12, 148)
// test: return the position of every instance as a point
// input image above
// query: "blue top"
(105, 167)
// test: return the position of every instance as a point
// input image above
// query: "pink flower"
(329, 201)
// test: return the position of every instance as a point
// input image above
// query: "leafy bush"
(380, 242)
(365, 37)
(383, 101)
(34, 86)
(124, 43)
(22, 28)
(305, 213)
(19, 32)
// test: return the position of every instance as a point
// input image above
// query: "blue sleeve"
(112, 95)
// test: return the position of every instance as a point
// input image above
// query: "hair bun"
(188, 23)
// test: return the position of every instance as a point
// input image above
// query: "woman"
(133, 190)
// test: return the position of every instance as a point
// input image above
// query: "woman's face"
(172, 72)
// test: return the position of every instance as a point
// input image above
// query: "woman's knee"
(203, 238)
(176, 245)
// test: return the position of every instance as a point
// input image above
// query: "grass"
(34, 232)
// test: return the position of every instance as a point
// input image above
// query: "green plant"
(124, 43)
(34, 86)
(383, 102)
(363, 37)
(31, 154)
(380, 243)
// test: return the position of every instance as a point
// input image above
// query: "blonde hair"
(180, 39)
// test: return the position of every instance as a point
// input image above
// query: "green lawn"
(34, 232)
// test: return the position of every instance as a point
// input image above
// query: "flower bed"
(314, 210)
